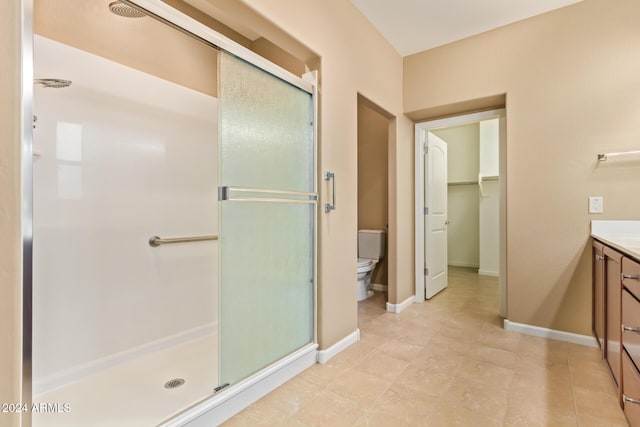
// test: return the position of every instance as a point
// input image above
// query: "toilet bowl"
(370, 251)
(365, 273)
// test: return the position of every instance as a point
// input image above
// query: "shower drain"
(174, 383)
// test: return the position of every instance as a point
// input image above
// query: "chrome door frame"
(26, 186)
(180, 22)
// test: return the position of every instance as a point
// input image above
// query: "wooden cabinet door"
(598, 306)
(613, 295)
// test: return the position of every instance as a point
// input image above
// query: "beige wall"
(142, 43)
(277, 55)
(401, 216)
(373, 183)
(355, 59)
(572, 89)
(10, 276)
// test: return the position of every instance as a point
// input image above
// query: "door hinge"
(426, 149)
(426, 271)
(426, 211)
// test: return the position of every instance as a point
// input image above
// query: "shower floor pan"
(134, 394)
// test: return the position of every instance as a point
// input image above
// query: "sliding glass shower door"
(267, 218)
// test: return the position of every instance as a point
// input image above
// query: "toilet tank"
(371, 244)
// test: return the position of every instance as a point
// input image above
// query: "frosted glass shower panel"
(267, 131)
(267, 290)
(267, 219)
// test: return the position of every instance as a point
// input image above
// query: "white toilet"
(370, 251)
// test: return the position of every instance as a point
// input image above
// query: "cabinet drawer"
(631, 276)
(631, 391)
(631, 326)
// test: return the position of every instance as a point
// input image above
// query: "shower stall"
(174, 217)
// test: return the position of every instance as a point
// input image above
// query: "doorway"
(373, 200)
(460, 200)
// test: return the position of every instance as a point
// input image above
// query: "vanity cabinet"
(616, 322)
(616, 307)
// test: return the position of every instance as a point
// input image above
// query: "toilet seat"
(364, 262)
(366, 265)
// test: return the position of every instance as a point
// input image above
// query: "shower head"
(122, 9)
(52, 83)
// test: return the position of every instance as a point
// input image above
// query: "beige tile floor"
(447, 362)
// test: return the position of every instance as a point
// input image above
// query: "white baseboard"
(61, 378)
(325, 355)
(215, 410)
(462, 264)
(397, 308)
(488, 273)
(537, 331)
(378, 287)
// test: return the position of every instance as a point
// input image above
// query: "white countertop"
(621, 235)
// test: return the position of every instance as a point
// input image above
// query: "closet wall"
(463, 147)
(473, 209)
(489, 198)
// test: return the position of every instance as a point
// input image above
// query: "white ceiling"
(412, 26)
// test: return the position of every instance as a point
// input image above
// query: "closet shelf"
(462, 183)
(484, 178)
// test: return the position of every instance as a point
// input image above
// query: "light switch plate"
(596, 205)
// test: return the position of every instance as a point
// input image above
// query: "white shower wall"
(122, 156)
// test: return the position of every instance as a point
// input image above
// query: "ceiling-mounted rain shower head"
(124, 10)
(52, 83)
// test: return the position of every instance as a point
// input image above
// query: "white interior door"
(435, 225)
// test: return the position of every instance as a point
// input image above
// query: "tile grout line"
(573, 392)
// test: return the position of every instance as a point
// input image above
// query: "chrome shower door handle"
(328, 207)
